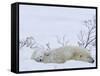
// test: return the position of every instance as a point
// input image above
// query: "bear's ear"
(47, 53)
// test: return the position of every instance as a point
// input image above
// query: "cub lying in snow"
(63, 54)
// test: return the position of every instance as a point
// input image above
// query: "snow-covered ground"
(27, 64)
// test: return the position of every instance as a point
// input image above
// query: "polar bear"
(63, 54)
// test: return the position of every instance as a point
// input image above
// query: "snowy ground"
(27, 64)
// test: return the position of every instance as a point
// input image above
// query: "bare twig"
(89, 42)
(63, 42)
(28, 42)
(21, 44)
(48, 46)
(90, 36)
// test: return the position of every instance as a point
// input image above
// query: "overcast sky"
(45, 22)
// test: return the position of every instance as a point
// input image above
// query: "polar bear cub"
(63, 54)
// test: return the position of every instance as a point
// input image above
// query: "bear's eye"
(40, 56)
(47, 54)
(80, 56)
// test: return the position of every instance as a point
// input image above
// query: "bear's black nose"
(92, 61)
(40, 60)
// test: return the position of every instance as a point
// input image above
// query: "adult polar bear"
(63, 54)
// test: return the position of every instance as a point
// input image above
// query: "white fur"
(63, 54)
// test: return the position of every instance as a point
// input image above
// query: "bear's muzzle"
(91, 60)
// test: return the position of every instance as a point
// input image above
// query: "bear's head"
(83, 55)
(38, 56)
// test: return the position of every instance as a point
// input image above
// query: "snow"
(27, 64)
(44, 24)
